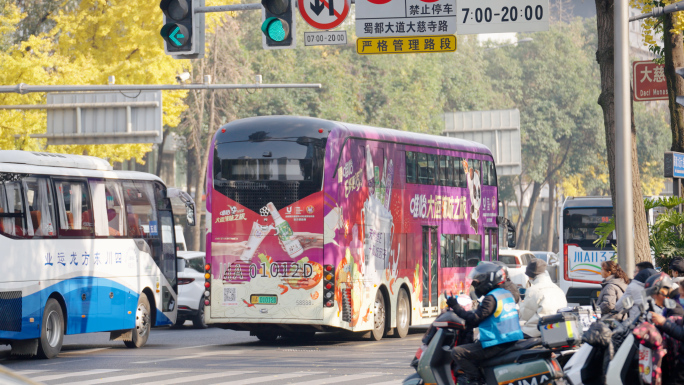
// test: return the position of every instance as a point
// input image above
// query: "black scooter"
(521, 364)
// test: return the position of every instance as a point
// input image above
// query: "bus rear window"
(266, 169)
(579, 225)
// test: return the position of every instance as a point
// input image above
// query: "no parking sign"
(324, 14)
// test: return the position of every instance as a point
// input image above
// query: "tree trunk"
(551, 220)
(528, 222)
(674, 57)
(604, 56)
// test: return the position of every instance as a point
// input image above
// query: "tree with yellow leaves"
(95, 40)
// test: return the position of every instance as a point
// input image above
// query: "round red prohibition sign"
(381, 2)
(324, 14)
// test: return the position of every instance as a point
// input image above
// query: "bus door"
(491, 243)
(430, 292)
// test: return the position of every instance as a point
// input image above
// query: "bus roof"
(47, 159)
(591, 201)
(26, 162)
(280, 127)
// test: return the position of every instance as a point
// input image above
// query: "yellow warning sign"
(409, 44)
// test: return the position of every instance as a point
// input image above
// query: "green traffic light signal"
(276, 29)
(175, 34)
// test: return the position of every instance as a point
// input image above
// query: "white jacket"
(542, 298)
(635, 289)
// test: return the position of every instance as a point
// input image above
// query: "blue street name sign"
(674, 164)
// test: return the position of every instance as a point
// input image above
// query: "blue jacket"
(503, 325)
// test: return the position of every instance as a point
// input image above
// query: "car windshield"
(542, 256)
(508, 259)
(196, 264)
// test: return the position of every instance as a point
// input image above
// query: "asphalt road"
(215, 356)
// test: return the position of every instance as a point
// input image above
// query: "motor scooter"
(523, 363)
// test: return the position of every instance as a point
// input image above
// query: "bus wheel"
(403, 312)
(378, 318)
(198, 319)
(143, 324)
(267, 336)
(52, 330)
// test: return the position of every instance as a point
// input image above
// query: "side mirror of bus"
(190, 213)
(187, 201)
(180, 265)
(511, 236)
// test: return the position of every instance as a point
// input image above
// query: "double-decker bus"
(84, 249)
(314, 225)
(580, 277)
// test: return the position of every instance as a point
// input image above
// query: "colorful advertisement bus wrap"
(315, 225)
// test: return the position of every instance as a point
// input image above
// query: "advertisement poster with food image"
(268, 253)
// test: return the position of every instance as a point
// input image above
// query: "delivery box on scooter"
(560, 330)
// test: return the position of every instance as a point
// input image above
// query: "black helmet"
(486, 277)
(505, 267)
(657, 282)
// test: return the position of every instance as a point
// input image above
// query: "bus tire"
(198, 320)
(267, 336)
(52, 330)
(379, 317)
(403, 314)
(143, 324)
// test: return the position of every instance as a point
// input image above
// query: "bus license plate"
(264, 299)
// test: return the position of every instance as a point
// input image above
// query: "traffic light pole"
(624, 213)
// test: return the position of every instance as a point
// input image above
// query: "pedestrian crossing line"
(129, 377)
(207, 376)
(275, 377)
(72, 374)
(338, 379)
(27, 372)
(82, 351)
(190, 357)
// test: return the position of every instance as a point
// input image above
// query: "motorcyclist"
(509, 285)
(658, 286)
(496, 317)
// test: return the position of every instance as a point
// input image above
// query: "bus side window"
(75, 213)
(141, 213)
(12, 219)
(459, 173)
(443, 171)
(433, 169)
(411, 167)
(40, 207)
(107, 208)
(488, 173)
(422, 162)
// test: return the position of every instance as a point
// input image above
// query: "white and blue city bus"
(83, 249)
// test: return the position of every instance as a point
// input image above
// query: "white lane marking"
(26, 372)
(198, 355)
(62, 362)
(393, 382)
(336, 379)
(191, 347)
(274, 377)
(73, 374)
(200, 377)
(129, 377)
(82, 351)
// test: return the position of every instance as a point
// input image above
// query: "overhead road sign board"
(499, 130)
(501, 16)
(104, 118)
(674, 165)
(324, 14)
(648, 81)
(325, 38)
(400, 18)
(411, 44)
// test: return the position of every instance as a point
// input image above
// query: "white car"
(191, 289)
(517, 261)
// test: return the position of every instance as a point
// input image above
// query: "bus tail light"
(207, 284)
(329, 286)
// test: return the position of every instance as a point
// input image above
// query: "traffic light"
(183, 29)
(278, 24)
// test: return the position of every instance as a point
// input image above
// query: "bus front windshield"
(579, 225)
(281, 171)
